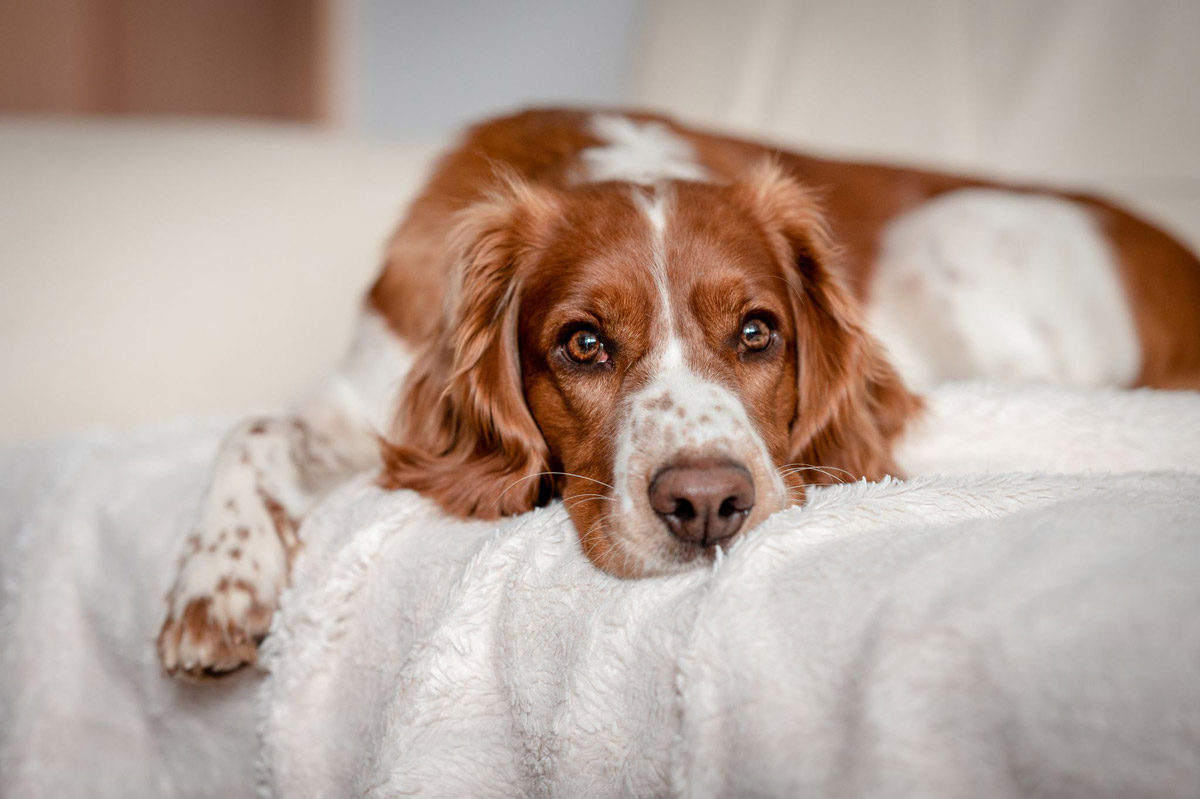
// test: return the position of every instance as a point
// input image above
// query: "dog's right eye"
(756, 335)
(586, 347)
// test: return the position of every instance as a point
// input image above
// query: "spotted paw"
(227, 589)
(235, 566)
(215, 635)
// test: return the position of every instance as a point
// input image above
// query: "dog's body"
(654, 324)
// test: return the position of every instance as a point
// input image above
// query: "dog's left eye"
(586, 347)
(756, 335)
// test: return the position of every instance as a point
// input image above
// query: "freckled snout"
(702, 502)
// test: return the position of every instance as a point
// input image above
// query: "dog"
(676, 333)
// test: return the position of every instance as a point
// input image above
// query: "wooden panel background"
(252, 58)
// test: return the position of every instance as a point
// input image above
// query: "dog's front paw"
(225, 594)
(213, 634)
(235, 566)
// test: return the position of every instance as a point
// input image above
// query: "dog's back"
(961, 277)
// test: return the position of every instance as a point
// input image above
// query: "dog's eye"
(584, 346)
(756, 335)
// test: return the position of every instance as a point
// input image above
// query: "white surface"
(1002, 635)
(152, 270)
(91, 527)
(1012, 636)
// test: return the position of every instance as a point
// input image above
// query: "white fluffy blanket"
(961, 634)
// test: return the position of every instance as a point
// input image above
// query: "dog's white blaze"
(656, 211)
(655, 208)
(638, 152)
(672, 355)
(678, 413)
(984, 283)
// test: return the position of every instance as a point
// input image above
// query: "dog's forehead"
(620, 251)
(705, 235)
(717, 262)
(599, 250)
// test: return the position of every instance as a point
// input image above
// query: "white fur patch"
(983, 283)
(375, 368)
(638, 152)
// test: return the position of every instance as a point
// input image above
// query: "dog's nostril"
(684, 510)
(729, 507)
(702, 502)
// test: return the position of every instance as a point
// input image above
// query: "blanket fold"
(995, 636)
(959, 633)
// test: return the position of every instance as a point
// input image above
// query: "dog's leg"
(268, 473)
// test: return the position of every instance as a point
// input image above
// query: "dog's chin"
(643, 547)
(666, 558)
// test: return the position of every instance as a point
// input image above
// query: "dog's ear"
(465, 436)
(851, 405)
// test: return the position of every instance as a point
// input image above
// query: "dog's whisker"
(604, 497)
(580, 476)
(535, 475)
(579, 499)
(595, 530)
(825, 470)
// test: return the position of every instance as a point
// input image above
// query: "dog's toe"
(213, 636)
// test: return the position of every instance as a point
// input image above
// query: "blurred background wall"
(193, 193)
(451, 59)
(385, 67)
(1062, 89)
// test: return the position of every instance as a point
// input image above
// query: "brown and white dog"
(670, 331)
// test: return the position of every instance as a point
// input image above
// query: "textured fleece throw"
(1020, 618)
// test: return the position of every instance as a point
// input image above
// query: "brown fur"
(851, 404)
(486, 414)
(466, 436)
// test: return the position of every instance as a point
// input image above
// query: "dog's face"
(658, 360)
(675, 361)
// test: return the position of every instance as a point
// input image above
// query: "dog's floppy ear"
(465, 436)
(851, 405)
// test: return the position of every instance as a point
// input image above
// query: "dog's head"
(676, 362)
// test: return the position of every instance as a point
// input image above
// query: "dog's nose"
(702, 502)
